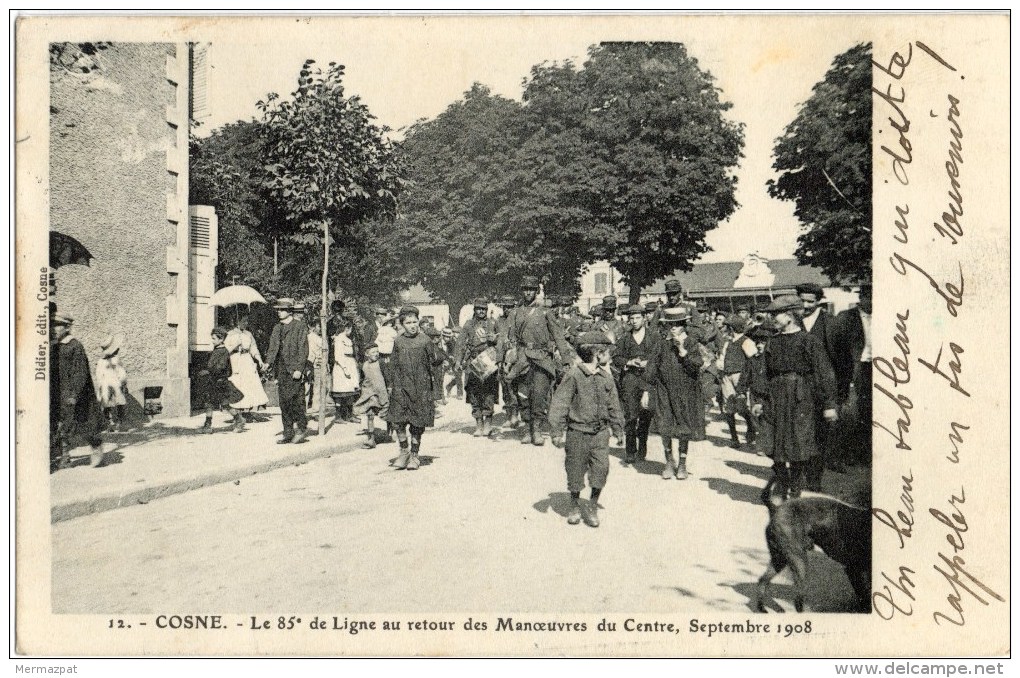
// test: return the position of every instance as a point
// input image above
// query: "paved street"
(479, 527)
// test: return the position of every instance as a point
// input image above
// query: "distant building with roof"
(753, 282)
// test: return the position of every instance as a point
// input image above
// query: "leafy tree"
(329, 166)
(647, 152)
(824, 161)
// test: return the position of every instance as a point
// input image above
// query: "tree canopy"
(824, 165)
(628, 158)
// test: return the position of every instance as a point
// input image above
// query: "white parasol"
(234, 295)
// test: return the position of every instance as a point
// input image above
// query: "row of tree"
(629, 158)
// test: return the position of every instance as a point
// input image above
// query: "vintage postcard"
(661, 335)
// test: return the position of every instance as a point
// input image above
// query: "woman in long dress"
(245, 364)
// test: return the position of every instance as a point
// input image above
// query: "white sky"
(409, 68)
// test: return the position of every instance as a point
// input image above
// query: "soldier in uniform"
(533, 339)
(508, 304)
(633, 351)
(609, 324)
(478, 335)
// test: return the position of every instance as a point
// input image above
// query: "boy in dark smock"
(800, 380)
(634, 349)
(586, 407)
(412, 403)
(674, 381)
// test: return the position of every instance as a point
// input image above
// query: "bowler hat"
(593, 339)
(529, 282)
(787, 302)
(674, 286)
(112, 344)
(811, 288)
(679, 314)
(284, 303)
(481, 303)
(62, 319)
(636, 309)
(608, 301)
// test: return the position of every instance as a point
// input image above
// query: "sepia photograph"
(494, 336)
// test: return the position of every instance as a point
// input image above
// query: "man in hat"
(81, 417)
(633, 351)
(817, 321)
(288, 353)
(479, 335)
(508, 304)
(609, 324)
(852, 364)
(534, 337)
(800, 380)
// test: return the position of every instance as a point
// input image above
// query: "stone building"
(119, 121)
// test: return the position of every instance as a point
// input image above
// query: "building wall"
(597, 281)
(118, 183)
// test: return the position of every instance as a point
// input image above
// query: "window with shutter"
(601, 283)
(198, 93)
(203, 243)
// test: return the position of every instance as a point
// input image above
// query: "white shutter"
(203, 243)
(198, 93)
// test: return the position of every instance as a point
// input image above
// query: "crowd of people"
(798, 377)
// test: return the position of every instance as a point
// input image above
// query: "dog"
(796, 525)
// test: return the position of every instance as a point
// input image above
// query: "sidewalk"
(169, 456)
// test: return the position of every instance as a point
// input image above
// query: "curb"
(143, 495)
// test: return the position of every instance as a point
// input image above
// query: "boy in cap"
(753, 389)
(478, 335)
(633, 351)
(412, 406)
(800, 380)
(374, 400)
(584, 409)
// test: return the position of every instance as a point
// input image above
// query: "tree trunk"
(324, 353)
(635, 295)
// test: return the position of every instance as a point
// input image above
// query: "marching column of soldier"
(658, 368)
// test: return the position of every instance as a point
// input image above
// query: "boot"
(414, 463)
(515, 419)
(731, 423)
(400, 463)
(478, 428)
(238, 423)
(529, 433)
(486, 426)
(681, 469)
(631, 445)
(96, 457)
(537, 439)
(670, 470)
(301, 436)
(642, 448)
(574, 515)
(207, 426)
(592, 519)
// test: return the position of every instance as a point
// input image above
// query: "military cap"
(593, 339)
(811, 288)
(608, 302)
(529, 282)
(736, 323)
(678, 314)
(481, 303)
(787, 302)
(595, 310)
(674, 286)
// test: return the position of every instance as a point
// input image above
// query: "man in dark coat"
(852, 364)
(81, 417)
(478, 335)
(817, 322)
(634, 349)
(534, 338)
(288, 352)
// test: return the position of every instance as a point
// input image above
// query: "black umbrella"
(65, 250)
